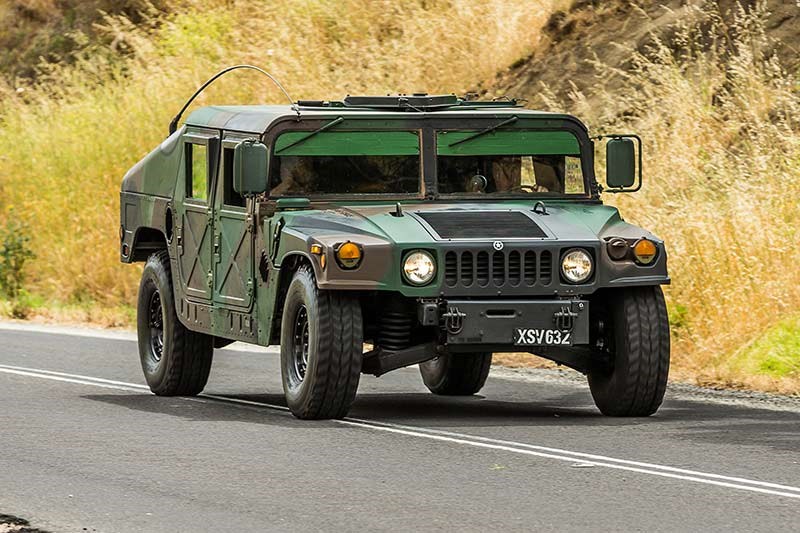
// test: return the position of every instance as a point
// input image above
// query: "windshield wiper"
(484, 132)
(303, 139)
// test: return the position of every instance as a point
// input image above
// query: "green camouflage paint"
(231, 258)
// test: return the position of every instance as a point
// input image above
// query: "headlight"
(576, 265)
(419, 268)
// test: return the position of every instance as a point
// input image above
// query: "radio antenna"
(173, 125)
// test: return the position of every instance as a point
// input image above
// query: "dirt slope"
(607, 31)
(32, 31)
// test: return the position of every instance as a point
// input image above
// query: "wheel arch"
(147, 224)
(147, 241)
(290, 263)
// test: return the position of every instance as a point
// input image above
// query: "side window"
(229, 196)
(197, 171)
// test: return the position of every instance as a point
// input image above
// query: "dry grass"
(84, 125)
(718, 113)
(721, 123)
(521, 360)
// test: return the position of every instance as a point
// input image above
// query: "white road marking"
(571, 458)
(74, 331)
(111, 334)
(582, 455)
(72, 377)
(37, 374)
(558, 454)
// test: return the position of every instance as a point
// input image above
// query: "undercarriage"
(405, 332)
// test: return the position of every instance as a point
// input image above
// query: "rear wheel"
(460, 374)
(634, 378)
(176, 361)
(321, 348)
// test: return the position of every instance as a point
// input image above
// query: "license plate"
(542, 337)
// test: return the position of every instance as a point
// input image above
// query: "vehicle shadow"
(678, 419)
(202, 409)
(687, 420)
(417, 408)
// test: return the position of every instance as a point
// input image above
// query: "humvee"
(375, 233)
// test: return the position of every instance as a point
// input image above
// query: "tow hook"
(454, 320)
(565, 319)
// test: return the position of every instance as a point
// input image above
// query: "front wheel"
(175, 360)
(460, 374)
(321, 347)
(634, 378)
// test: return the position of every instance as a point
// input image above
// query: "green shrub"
(15, 251)
(775, 352)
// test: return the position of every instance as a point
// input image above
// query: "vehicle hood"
(568, 221)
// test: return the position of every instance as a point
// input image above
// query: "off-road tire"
(184, 364)
(334, 339)
(461, 374)
(635, 381)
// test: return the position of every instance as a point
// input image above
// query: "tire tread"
(637, 384)
(457, 375)
(338, 356)
(191, 353)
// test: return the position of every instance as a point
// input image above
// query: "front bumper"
(514, 324)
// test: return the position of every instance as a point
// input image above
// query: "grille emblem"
(497, 245)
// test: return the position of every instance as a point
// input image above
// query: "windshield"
(510, 162)
(355, 162)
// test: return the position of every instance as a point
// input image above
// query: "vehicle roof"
(259, 118)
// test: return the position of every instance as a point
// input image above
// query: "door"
(233, 239)
(195, 234)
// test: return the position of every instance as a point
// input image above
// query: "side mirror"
(621, 163)
(250, 167)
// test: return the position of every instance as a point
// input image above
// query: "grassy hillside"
(32, 31)
(712, 88)
(87, 121)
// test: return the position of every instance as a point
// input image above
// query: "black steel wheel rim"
(156, 323)
(300, 348)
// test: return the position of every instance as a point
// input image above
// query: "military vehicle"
(375, 233)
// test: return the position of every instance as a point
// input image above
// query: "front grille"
(482, 225)
(546, 267)
(512, 268)
(529, 270)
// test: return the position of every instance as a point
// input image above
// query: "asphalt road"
(84, 446)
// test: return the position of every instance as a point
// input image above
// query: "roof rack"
(419, 102)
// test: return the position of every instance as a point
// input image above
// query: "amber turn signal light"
(645, 251)
(348, 255)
